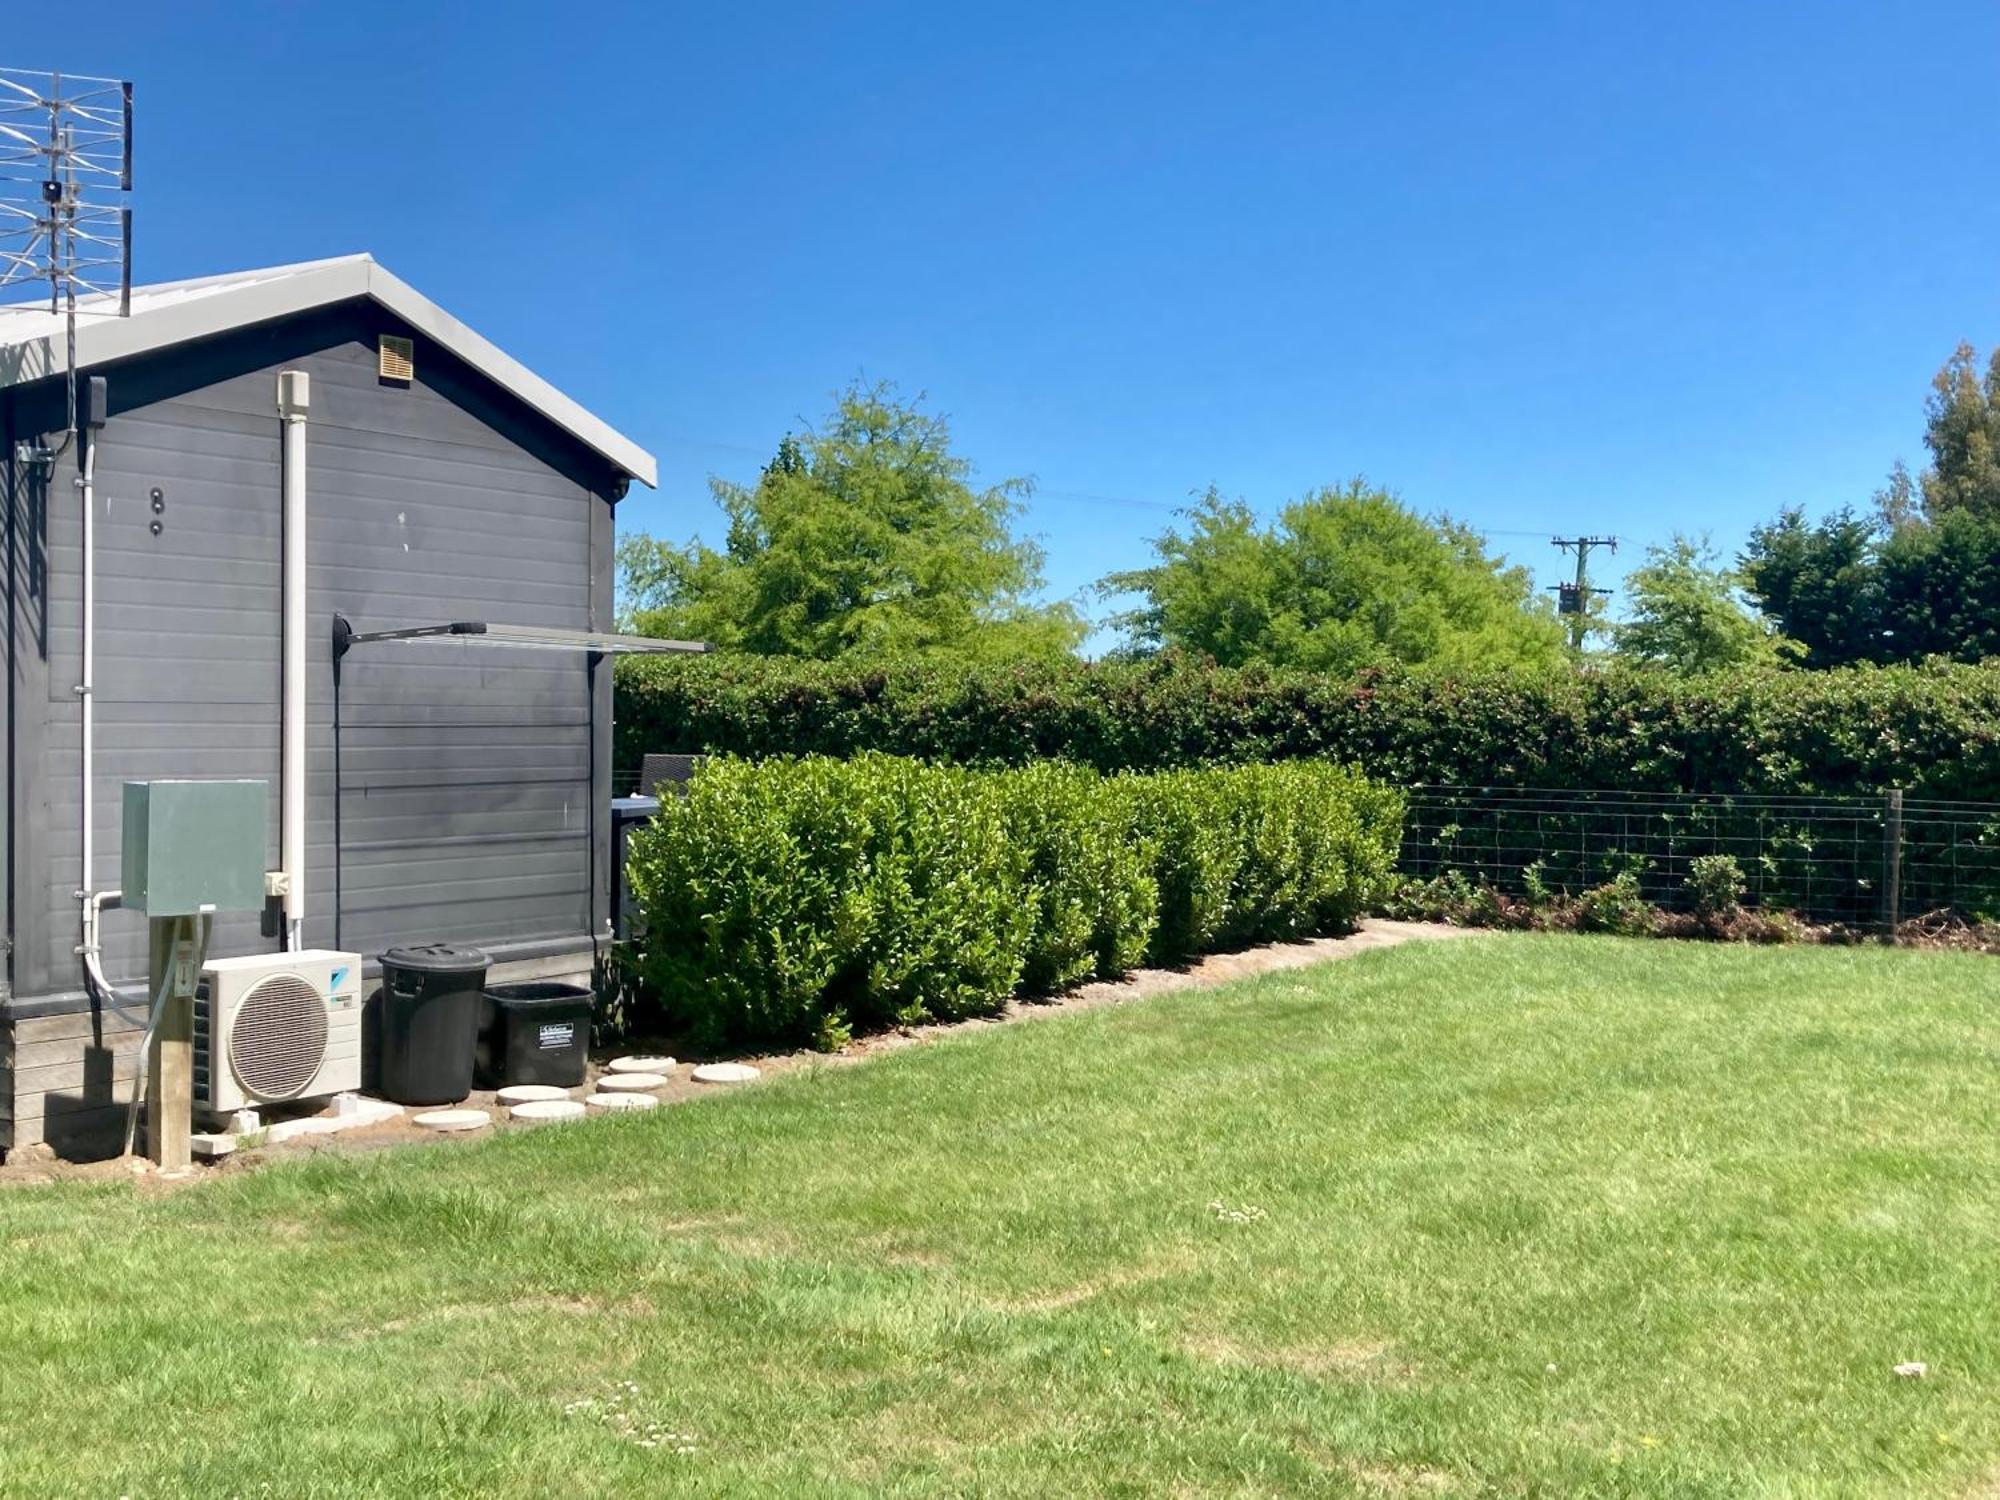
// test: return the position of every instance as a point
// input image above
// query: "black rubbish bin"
(533, 1033)
(430, 1021)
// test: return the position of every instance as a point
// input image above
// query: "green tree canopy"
(1345, 578)
(1962, 430)
(863, 537)
(1688, 615)
(1937, 588)
(1922, 577)
(1820, 582)
(1850, 592)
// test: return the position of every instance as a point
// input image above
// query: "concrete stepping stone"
(530, 1093)
(621, 1103)
(543, 1110)
(631, 1083)
(452, 1119)
(724, 1073)
(641, 1065)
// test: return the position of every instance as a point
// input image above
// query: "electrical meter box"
(194, 846)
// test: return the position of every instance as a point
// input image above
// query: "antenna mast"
(65, 141)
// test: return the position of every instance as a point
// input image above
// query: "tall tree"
(1688, 615)
(1820, 582)
(1962, 430)
(1938, 588)
(1344, 578)
(1922, 577)
(864, 537)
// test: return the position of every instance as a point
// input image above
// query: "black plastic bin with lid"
(533, 1033)
(429, 1022)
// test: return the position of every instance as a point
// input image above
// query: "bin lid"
(436, 958)
(538, 993)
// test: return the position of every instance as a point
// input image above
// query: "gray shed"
(465, 795)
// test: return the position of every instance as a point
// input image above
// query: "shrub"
(946, 894)
(1715, 887)
(1452, 898)
(1181, 817)
(751, 897)
(1098, 894)
(1934, 730)
(796, 900)
(1617, 906)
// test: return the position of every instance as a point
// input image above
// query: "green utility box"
(194, 846)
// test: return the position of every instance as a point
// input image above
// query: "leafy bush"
(1098, 893)
(799, 899)
(1180, 816)
(1932, 730)
(950, 930)
(1617, 906)
(1260, 853)
(750, 896)
(1453, 898)
(1715, 887)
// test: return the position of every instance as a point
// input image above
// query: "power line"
(1038, 492)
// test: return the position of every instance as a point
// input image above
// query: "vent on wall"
(396, 358)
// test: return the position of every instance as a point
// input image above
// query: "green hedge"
(1932, 730)
(792, 900)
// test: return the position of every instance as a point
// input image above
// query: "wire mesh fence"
(1862, 861)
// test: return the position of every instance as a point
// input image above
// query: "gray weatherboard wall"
(470, 777)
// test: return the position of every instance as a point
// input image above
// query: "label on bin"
(557, 1034)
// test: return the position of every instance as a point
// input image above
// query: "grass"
(1516, 1215)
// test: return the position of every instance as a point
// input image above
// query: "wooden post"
(1892, 861)
(170, 1065)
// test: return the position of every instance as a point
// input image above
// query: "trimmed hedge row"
(794, 900)
(1932, 730)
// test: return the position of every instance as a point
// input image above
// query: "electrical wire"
(1093, 497)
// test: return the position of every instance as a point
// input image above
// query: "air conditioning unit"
(276, 1026)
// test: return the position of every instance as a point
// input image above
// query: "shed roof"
(174, 312)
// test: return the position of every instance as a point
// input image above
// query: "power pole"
(1573, 599)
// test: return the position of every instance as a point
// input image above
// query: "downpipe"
(294, 405)
(86, 687)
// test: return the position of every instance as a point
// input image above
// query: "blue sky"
(1604, 267)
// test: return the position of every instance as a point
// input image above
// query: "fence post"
(1892, 860)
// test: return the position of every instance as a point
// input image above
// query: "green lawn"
(1514, 1215)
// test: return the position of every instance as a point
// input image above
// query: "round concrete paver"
(530, 1093)
(724, 1073)
(640, 1065)
(633, 1083)
(537, 1110)
(614, 1103)
(452, 1119)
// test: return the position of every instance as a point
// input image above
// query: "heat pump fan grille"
(278, 1037)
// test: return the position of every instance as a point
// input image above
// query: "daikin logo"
(339, 979)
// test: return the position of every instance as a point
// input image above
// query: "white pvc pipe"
(294, 402)
(86, 689)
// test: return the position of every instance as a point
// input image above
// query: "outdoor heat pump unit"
(276, 1026)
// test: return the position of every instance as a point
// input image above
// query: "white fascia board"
(190, 310)
(200, 313)
(504, 370)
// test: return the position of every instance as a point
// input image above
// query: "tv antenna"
(65, 216)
